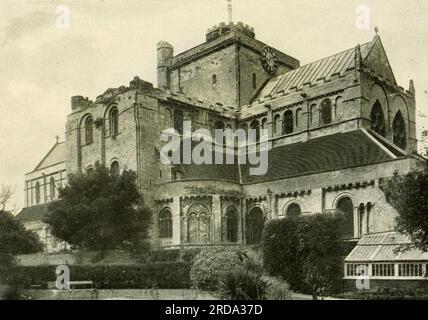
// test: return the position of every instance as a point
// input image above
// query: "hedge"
(386, 294)
(162, 275)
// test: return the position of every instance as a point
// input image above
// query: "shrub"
(242, 284)
(165, 275)
(277, 289)
(189, 255)
(211, 263)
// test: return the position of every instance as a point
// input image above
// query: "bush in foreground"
(211, 263)
(242, 284)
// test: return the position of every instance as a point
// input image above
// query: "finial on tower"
(229, 10)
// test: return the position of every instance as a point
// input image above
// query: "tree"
(307, 251)
(15, 239)
(322, 253)
(408, 194)
(6, 193)
(101, 211)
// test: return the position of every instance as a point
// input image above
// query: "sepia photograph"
(214, 155)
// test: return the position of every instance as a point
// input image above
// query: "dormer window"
(214, 79)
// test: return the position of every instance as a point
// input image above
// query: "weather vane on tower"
(229, 10)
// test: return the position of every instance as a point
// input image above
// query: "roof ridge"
(386, 141)
(325, 58)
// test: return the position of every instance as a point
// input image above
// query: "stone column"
(243, 219)
(356, 220)
(176, 221)
(216, 218)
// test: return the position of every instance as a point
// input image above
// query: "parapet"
(223, 28)
(79, 102)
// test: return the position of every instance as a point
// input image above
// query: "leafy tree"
(322, 253)
(100, 211)
(408, 194)
(15, 239)
(307, 251)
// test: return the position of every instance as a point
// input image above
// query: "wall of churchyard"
(196, 79)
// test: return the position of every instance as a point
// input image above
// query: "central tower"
(230, 67)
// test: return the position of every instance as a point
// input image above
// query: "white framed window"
(410, 270)
(383, 270)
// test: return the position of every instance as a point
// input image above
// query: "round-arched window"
(326, 112)
(37, 192)
(255, 224)
(231, 224)
(52, 187)
(114, 169)
(345, 208)
(89, 127)
(114, 122)
(165, 224)
(288, 122)
(293, 210)
(255, 125)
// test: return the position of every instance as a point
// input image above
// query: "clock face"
(269, 60)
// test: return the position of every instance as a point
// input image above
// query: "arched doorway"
(255, 224)
(345, 208)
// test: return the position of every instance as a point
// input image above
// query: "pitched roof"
(383, 247)
(34, 213)
(314, 72)
(55, 155)
(226, 172)
(328, 153)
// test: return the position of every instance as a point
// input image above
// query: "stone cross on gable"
(57, 138)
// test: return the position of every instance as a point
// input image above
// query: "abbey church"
(337, 127)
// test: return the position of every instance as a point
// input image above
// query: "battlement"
(109, 96)
(79, 102)
(224, 28)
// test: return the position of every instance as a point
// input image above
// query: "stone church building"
(336, 126)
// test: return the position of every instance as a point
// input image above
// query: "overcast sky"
(109, 42)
